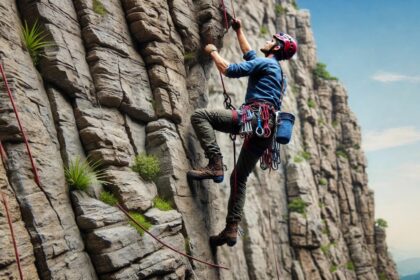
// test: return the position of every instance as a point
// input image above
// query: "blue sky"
(373, 47)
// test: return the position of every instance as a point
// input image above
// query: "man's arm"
(220, 62)
(243, 42)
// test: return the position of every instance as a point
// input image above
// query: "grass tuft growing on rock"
(279, 9)
(263, 30)
(162, 204)
(99, 8)
(295, 5)
(297, 205)
(311, 103)
(323, 182)
(81, 174)
(140, 219)
(321, 72)
(340, 152)
(350, 265)
(333, 268)
(147, 166)
(381, 223)
(108, 198)
(35, 39)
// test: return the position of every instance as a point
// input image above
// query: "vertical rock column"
(47, 212)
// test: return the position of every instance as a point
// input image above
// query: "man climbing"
(265, 86)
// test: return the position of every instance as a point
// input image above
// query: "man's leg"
(205, 122)
(248, 158)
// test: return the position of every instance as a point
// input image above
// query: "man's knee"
(198, 115)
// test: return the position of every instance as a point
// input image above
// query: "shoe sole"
(217, 179)
(231, 243)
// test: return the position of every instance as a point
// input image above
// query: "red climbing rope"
(166, 245)
(3, 154)
(222, 3)
(9, 220)
(34, 170)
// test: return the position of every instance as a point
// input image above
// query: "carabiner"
(259, 131)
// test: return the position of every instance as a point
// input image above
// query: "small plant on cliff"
(147, 166)
(279, 9)
(162, 204)
(295, 5)
(333, 268)
(297, 205)
(321, 72)
(311, 103)
(350, 265)
(140, 219)
(189, 56)
(80, 174)
(108, 198)
(306, 155)
(187, 244)
(323, 182)
(381, 223)
(382, 276)
(35, 40)
(340, 152)
(99, 8)
(263, 30)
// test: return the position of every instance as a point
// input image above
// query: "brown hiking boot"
(214, 170)
(227, 236)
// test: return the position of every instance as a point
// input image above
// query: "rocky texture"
(122, 78)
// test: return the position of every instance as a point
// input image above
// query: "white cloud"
(386, 77)
(391, 137)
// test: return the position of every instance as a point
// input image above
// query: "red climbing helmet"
(289, 44)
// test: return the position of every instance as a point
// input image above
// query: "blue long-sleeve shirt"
(265, 78)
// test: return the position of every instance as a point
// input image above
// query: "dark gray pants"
(205, 122)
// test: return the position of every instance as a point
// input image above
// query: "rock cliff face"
(122, 78)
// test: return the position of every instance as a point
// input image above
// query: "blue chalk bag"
(285, 122)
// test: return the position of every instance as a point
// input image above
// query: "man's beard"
(265, 52)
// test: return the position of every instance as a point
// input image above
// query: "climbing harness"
(166, 245)
(12, 233)
(34, 169)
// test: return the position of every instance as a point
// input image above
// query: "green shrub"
(35, 40)
(297, 159)
(323, 182)
(297, 205)
(279, 9)
(306, 155)
(382, 276)
(189, 56)
(340, 152)
(325, 248)
(381, 223)
(140, 219)
(356, 146)
(80, 174)
(350, 265)
(311, 103)
(263, 30)
(335, 124)
(147, 166)
(99, 8)
(187, 244)
(321, 72)
(295, 5)
(108, 198)
(321, 122)
(162, 204)
(333, 268)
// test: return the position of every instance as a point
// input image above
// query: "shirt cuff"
(250, 55)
